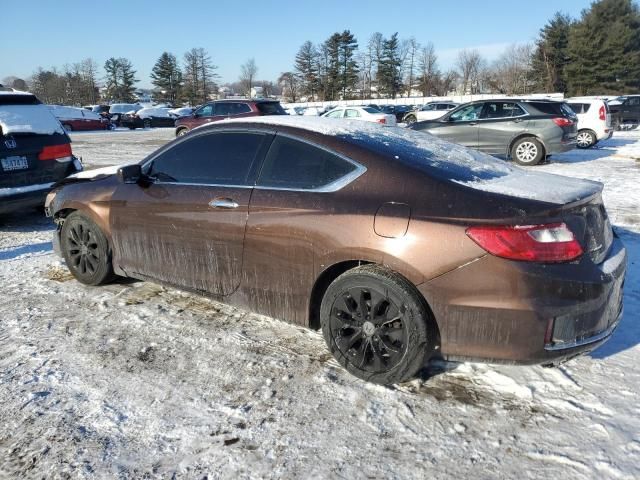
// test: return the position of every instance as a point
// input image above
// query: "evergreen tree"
(348, 75)
(389, 68)
(332, 75)
(306, 66)
(167, 77)
(550, 57)
(120, 80)
(604, 49)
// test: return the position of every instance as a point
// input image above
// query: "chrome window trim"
(334, 186)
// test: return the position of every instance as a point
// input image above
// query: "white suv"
(594, 120)
(430, 111)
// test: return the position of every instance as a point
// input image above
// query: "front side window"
(467, 113)
(634, 101)
(428, 108)
(206, 111)
(218, 158)
(335, 114)
(293, 164)
(224, 109)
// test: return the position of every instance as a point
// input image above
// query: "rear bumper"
(20, 198)
(518, 312)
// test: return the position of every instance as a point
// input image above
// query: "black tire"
(67, 127)
(527, 151)
(409, 119)
(86, 250)
(146, 123)
(586, 139)
(182, 131)
(377, 325)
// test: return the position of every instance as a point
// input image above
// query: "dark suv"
(222, 109)
(35, 151)
(526, 130)
(625, 111)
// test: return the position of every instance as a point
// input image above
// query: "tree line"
(598, 53)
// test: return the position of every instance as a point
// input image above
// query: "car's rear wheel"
(377, 325)
(67, 127)
(146, 123)
(585, 139)
(527, 151)
(86, 250)
(409, 119)
(182, 131)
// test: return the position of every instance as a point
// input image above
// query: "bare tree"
(199, 76)
(428, 68)
(411, 59)
(289, 82)
(248, 73)
(470, 64)
(511, 73)
(375, 49)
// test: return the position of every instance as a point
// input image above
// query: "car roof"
(244, 100)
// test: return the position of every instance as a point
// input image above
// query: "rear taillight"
(382, 120)
(602, 114)
(61, 153)
(562, 121)
(549, 243)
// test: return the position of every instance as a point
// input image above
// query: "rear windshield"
(370, 110)
(271, 108)
(8, 99)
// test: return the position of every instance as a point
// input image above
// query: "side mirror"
(130, 174)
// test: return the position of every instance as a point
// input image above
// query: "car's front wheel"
(409, 119)
(585, 139)
(527, 151)
(377, 325)
(86, 250)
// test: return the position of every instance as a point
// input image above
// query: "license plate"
(14, 163)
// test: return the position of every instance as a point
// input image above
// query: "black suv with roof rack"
(527, 130)
(35, 151)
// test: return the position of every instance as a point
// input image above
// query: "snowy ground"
(134, 380)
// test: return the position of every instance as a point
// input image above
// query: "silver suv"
(526, 130)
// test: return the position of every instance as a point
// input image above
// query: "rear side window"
(351, 113)
(297, 165)
(502, 110)
(239, 108)
(576, 107)
(224, 109)
(9, 99)
(270, 108)
(219, 158)
(552, 108)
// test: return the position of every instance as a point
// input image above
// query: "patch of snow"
(96, 172)
(28, 119)
(8, 191)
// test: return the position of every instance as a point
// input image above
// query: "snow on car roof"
(444, 160)
(28, 119)
(14, 92)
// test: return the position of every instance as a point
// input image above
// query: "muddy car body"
(400, 217)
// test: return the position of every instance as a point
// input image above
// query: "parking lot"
(134, 379)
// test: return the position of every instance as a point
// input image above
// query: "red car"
(223, 109)
(73, 118)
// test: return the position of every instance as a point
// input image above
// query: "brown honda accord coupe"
(398, 245)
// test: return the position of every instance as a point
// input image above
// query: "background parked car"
(222, 109)
(73, 118)
(35, 151)
(117, 110)
(625, 113)
(314, 111)
(429, 111)
(525, 130)
(594, 121)
(148, 118)
(181, 112)
(398, 111)
(367, 114)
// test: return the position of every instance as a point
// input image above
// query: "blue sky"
(49, 33)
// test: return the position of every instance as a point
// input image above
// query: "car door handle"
(223, 203)
(473, 123)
